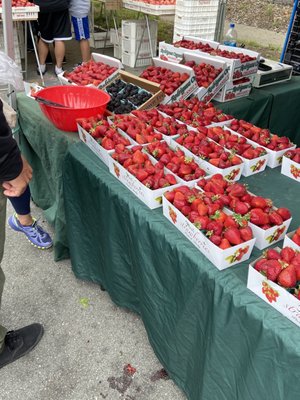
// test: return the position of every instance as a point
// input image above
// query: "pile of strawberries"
(296, 237)
(257, 209)
(205, 211)
(232, 55)
(138, 164)
(282, 267)
(91, 72)
(138, 130)
(261, 136)
(176, 161)
(205, 73)
(293, 155)
(168, 126)
(191, 45)
(20, 3)
(168, 80)
(235, 143)
(208, 150)
(107, 136)
(194, 112)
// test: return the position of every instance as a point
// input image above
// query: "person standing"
(79, 10)
(55, 26)
(15, 174)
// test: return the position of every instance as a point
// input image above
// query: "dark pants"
(2, 239)
(21, 204)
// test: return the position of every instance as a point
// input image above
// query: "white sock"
(58, 70)
(43, 68)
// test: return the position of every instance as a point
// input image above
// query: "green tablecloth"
(217, 340)
(275, 107)
(45, 148)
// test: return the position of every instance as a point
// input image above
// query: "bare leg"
(85, 50)
(43, 49)
(59, 51)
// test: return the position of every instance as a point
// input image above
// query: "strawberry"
(258, 202)
(258, 217)
(296, 238)
(275, 218)
(224, 244)
(215, 227)
(233, 236)
(201, 222)
(273, 269)
(284, 213)
(287, 277)
(287, 254)
(246, 233)
(260, 265)
(272, 254)
(215, 239)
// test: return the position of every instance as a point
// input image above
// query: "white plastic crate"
(129, 59)
(195, 23)
(118, 51)
(134, 28)
(197, 11)
(197, 3)
(179, 33)
(132, 45)
(115, 36)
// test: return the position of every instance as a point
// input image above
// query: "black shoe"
(20, 342)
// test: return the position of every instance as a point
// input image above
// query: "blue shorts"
(81, 28)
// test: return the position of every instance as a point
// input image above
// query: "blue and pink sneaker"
(34, 233)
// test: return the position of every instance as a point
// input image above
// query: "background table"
(217, 340)
(45, 148)
(275, 107)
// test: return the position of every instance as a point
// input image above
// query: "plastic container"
(84, 102)
(230, 39)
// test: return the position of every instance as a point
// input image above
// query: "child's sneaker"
(34, 233)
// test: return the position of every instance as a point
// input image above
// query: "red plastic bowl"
(83, 101)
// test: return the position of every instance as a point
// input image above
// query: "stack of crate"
(136, 47)
(116, 40)
(195, 18)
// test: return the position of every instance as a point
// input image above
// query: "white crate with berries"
(291, 164)
(275, 278)
(22, 10)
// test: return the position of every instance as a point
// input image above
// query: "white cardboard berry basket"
(290, 168)
(207, 94)
(288, 242)
(222, 259)
(186, 89)
(96, 148)
(254, 166)
(232, 173)
(111, 61)
(275, 157)
(273, 294)
(173, 147)
(238, 69)
(175, 54)
(267, 237)
(232, 90)
(152, 198)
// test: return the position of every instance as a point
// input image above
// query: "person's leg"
(43, 49)
(14, 344)
(59, 51)
(85, 50)
(2, 239)
(61, 27)
(21, 206)
(23, 222)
